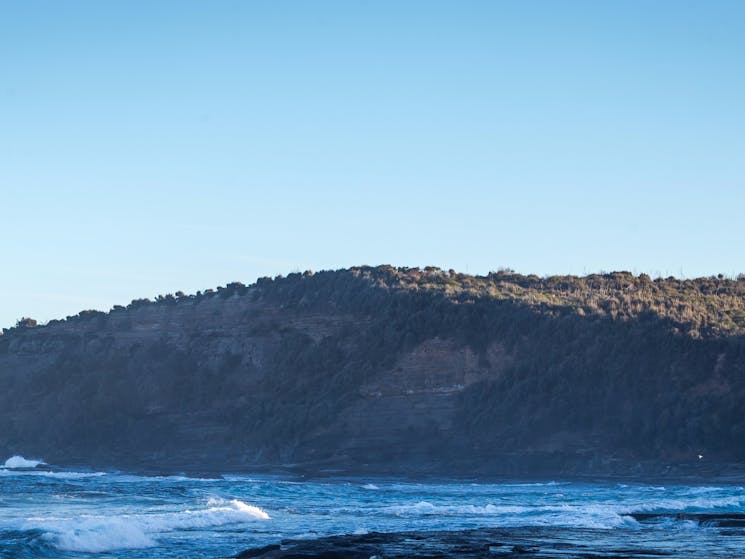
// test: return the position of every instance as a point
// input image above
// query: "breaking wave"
(96, 534)
(426, 508)
(25, 470)
(15, 462)
(585, 516)
(57, 475)
(696, 504)
(132, 478)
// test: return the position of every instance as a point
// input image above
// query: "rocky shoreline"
(533, 543)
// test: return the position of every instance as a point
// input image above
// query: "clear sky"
(154, 146)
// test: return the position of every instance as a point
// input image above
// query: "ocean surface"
(55, 513)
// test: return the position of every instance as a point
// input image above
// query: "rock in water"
(533, 543)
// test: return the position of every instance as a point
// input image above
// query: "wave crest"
(96, 534)
(15, 462)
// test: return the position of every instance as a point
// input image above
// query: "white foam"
(422, 507)
(58, 475)
(221, 505)
(131, 478)
(95, 534)
(696, 504)
(20, 462)
(709, 489)
(370, 486)
(586, 515)
(426, 508)
(535, 484)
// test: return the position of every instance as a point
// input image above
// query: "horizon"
(155, 147)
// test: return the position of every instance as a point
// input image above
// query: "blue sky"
(150, 147)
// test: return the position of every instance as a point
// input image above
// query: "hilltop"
(392, 370)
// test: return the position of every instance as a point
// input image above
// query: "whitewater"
(57, 513)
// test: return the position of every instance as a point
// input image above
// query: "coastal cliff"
(393, 371)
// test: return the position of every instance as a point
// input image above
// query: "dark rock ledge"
(525, 543)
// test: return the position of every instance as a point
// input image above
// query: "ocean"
(56, 513)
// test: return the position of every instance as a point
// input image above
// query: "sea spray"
(16, 461)
(64, 514)
(99, 533)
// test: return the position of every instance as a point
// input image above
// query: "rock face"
(463, 544)
(352, 371)
(525, 543)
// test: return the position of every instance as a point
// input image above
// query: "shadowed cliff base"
(392, 371)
